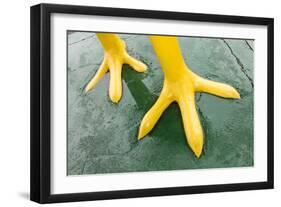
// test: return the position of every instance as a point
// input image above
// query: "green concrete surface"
(102, 136)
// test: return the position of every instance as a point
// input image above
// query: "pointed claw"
(135, 64)
(115, 84)
(99, 74)
(192, 125)
(216, 88)
(153, 115)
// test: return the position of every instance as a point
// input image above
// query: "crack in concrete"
(129, 38)
(90, 153)
(85, 38)
(83, 67)
(250, 47)
(84, 165)
(198, 98)
(239, 63)
(121, 154)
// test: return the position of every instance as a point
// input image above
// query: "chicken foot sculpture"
(115, 55)
(180, 85)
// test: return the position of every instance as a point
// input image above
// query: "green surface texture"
(102, 136)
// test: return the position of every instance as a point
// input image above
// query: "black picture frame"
(41, 98)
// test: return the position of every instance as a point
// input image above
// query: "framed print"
(133, 103)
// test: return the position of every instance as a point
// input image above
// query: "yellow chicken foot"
(115, 55)
(180, 85)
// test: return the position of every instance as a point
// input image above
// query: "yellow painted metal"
(115, 55)
(180, 85)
